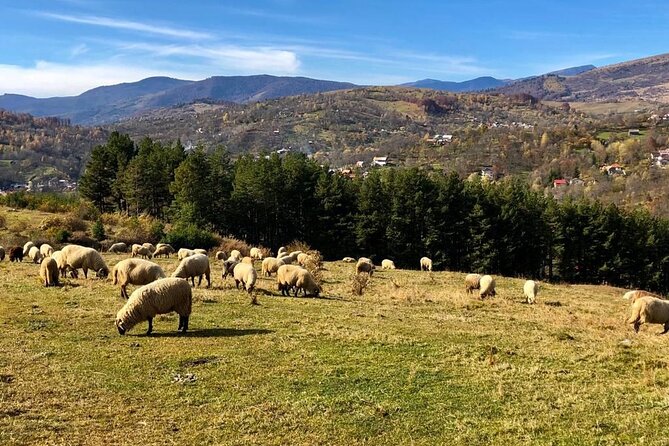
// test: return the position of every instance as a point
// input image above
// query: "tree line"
(400, 213)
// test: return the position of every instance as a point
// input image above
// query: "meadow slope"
(413, 361)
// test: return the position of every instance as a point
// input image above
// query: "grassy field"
(413, 361)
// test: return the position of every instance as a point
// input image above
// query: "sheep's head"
(120, 327)
(102, 273)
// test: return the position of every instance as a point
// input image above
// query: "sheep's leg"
(637, 324)
(666, 328)
(208, 281)
(192, 279)
(236, 283)
(124, 292)
(184, 326)
(148, 332)
(199, 280)
(85, 273)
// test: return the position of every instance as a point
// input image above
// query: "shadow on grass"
(211, 333)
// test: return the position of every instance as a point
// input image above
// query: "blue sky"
(64, 47)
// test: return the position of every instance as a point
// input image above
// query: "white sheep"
(118, 248)
(248, 260)
(530, 290)
(141, 251)
(387, 264)
(243, 273)
(194, 266)
(306, 282)
(48, 271)
(487, 284)
(270, 265)
(256, 253)
(200, 251)
(35, 255)
(135, 272)
(159, 297)
(149, 246)
(163, 249)
(290, 258)
(235, 255)
(472, 282)
(46, 250)
(286, 278)
(364, 265)
(85, 258)
(282, 252)
(183, 253)
(425, 264)
(26, 248)
(348, 260)
(635, 294)
(649, 310)
(63, 267)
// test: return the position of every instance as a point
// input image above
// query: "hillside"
(478, 84)
(111, 103)
(646, 79)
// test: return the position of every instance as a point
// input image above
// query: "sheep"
(163, 250)
(256, 253)
(487, 286)
(15, 254)
(149, 246)
(200, 251)
(635, 294)
(35, 255)
(425, 264)
(2, 253)
(63, 267)
(85, 258)
(302, 258)
(236, 255)
(46, 250)
(649, 310)
(135, 272)
(530, 289)
(289, 259)
(387, 264)
(141, 251)
(248, 260)
(472, 282)
(307, 283)
(159, 297)
(26, 248)
(286, 278)
(243, 273)
(220, 255)
(282, 252)
(196, 265)
(364, 265)
(48, 271)
(118, 248)
(270, 265)
(183, 253)
(348, 260)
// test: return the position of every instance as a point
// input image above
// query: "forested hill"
(43, 149)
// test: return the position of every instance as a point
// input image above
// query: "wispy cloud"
(108, 22)
(78, 50)
(290, 18)
(538, 35)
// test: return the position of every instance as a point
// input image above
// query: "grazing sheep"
(649, 310)
(282, 252)
(48, 271)
(159, 297)
(472, 282)
(302, 258)
(26, 248)
(194, 266)
(425, 264)
(200, 251)
(118, 248)
(135, 272)
(635, 294)
(35, 255)
(487, 287)
(46, 250)
(183, 253)
(364, 265)
(85, 258)
(141, 251)
(270, 265)
(307, 283)
(286, 278)
(248, 260)
(256, 253)
(220, 255)
(243, 273)
(15, 254)
(235, 255)
(2, 253)
(163, 250)
(387, 264)
(289, 259)
(530, 289)
(348, 260)
(63, 267)
(149, 246)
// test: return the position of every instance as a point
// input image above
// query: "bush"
(43, 201)
(298, 245)
(69, 222)
(358, 283)
(139, 230)
(230, 243)
(83, 239)
(3, 221)
(62, 236)
(190, 236)
(98, 230)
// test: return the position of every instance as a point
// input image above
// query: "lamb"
(256, 253)
(118, 248)
(425, 264)
(159, 297)
(26, 248)
(364, 265)
(270, 265)
(472, 282)
(163, 250)
(2, 253)
(85, 258)
(387, 264)
(141, 251)
(135, 272)
(649, 310)
(63, 267)
(530, 289)
(487, 286)
(46, 250)
(196, 265)
(242, 273)
(220, 255)
(286, 278)
(348, 260)
(235, 255)
(35, 255)
(15, 254)
(183, 253)
(48, 271)
(149, 246)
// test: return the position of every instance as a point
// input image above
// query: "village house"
(560, 182)
(381, 161)
(613, 169)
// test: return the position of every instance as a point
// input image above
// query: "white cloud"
(78, 50)
(47, 79)
(108, 22)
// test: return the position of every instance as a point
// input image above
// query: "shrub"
(62, 236)
(3, 221)
(98, 230)
(190, 236)
(230, 243)
(83, 239)
(358, 283)
(298, 245)
(137, 229)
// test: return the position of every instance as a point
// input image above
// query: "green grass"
(413, 361)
